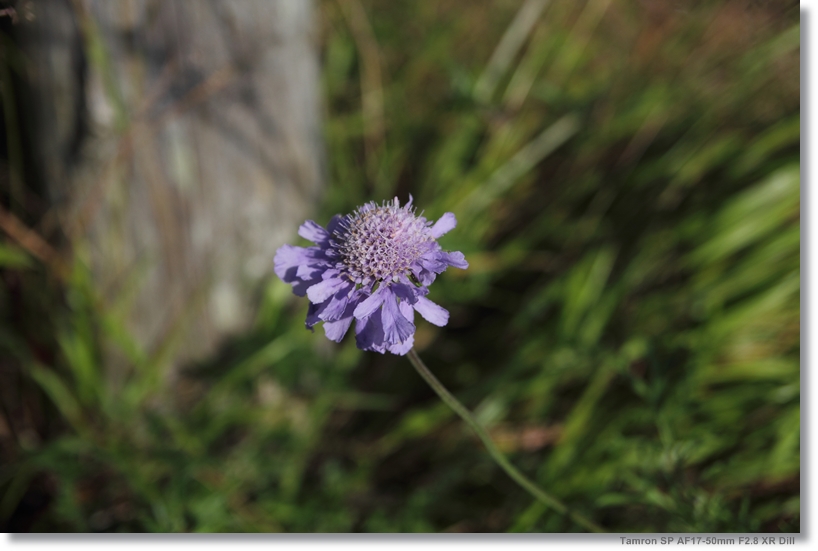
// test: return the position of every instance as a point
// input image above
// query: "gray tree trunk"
(180, 143)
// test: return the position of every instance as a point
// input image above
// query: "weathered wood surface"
(180, 142)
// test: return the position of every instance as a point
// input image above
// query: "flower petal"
(369, 334)
(433, 262)
(311, 270)
(431, 312)
(407, 311)
(335, 330)
(396, 328)
(456, 259)
(322, 291)
(423, 275)
(287, 260)
(445, 224)
(337, 305)
(300, 287)
(368, 306)
(313, 313)
(335, 224)
(405, 292)
(312, 231)
(331, 273)
(402, 348)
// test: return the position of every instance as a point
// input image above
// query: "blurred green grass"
(626, 181)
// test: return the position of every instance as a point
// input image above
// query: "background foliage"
(626, 180)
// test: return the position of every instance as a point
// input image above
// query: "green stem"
(496, 454)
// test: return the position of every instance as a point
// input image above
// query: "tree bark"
(179, 143)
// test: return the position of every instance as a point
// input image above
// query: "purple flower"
(374, 266)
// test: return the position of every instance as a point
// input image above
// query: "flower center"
(381, 243)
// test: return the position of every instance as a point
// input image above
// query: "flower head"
(374, 266)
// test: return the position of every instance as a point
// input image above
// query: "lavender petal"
(402, 348)
(405, 292)
(335, 224)
(431, 312)
(287, 260)
(313, 315)
(336, 306)
(396, 328)
(300, 287)
(368, 306)
(445, 224)
(369, 334)
(456, 259)
(312, 231)
(433, 262)
(335, 330)
(322, 291)
(312, 270)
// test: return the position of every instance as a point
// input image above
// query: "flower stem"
(496, 454)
